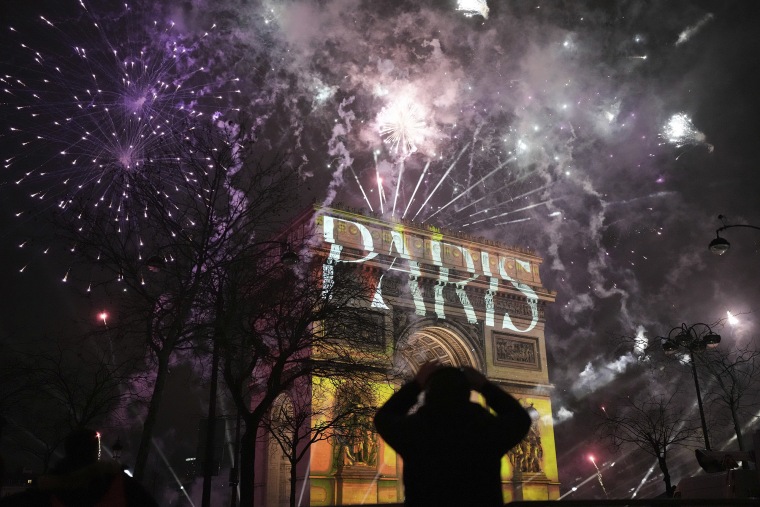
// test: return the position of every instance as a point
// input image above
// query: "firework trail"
(599, 475)
(441, 180)
(689, 32)
(416, 187)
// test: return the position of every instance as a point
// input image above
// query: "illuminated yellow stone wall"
(386, 485)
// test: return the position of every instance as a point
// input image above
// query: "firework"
(402, 126)
(97, 109)
(473, 8)
(680, 131)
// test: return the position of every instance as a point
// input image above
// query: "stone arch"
(447, 342)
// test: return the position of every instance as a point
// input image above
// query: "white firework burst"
(680, 131)
(402, 126)
(473, 8)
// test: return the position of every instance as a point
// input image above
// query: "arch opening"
(433, 342)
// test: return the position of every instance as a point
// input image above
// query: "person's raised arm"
(514, 421)
(389, 418)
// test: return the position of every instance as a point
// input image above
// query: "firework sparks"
(473, 8)
(680, 131)
(96, 111)
(402, 126)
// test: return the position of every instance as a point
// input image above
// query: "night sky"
(607, 136)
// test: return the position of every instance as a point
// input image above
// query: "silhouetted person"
(81, 479)
(452, 448)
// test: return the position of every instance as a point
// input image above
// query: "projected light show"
(604, 137)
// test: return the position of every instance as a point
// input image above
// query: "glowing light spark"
(516, 221)
(500, 215)
(462, 194)
(402, 126)
(440, 182)
(732, 320)
(598, 474)
(380, 189)
(398, 185)
(680, 131)
(417, 187)
(689, 32)
(473, 8)
(361, 187)
(103, 316)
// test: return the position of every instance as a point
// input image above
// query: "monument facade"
(440, 295)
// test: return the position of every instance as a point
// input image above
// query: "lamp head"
(683, 338)
(669, 346)
(711, 340)
(719, 246)
(289, 257)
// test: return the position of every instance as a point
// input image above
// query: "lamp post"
(696, 337)
(720, 245)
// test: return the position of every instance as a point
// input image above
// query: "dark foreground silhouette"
(81, 479)
(452, 448)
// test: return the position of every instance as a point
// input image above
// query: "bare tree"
(202, 204)
(734, 378)
(341, 411)
(62, 388)
(651, 422)
(291, 328)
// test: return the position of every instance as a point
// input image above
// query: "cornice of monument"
(421, 228)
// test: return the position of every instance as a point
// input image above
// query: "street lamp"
(696, 337)
(719, 245)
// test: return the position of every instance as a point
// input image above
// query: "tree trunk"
(293, 481)
(665, 476)
(247, 464)
(737, 428)
(151, 417)
(208, 462)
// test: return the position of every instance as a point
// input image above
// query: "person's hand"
(476, 379)
(425, 371)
